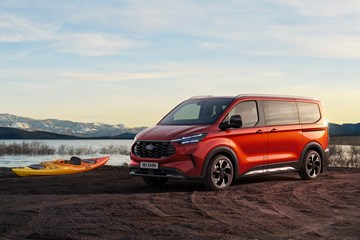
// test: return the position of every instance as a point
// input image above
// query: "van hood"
(169, 132)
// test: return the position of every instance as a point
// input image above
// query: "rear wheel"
(154, 181)
(220, 173)
(311, 165)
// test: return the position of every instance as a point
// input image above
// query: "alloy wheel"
(222, 173)
(313, 165)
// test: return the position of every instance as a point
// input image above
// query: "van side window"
(308, 112)
(280, 112)
(248, 112)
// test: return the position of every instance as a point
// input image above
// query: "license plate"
(149, 165)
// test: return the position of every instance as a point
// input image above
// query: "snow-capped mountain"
(65, 127)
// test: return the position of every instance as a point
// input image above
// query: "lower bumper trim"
(160, 173)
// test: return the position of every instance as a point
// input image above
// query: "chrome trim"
(255, 172)
(280, 169)
(271, 170)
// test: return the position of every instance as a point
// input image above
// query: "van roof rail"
(273, 95)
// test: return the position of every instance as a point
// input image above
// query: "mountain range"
(15, 127)
(346, 129)
(64, 127)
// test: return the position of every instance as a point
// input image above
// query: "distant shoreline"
(345, 140)
(19, 134)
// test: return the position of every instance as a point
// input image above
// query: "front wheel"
(220, 173)
(311, 165)
(154, 181)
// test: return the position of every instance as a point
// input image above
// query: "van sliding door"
(284, 135)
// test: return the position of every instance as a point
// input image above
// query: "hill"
(13, 133)
(346, 129)
(64, 127)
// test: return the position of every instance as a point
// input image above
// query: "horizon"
(131, 62)
(119, 123)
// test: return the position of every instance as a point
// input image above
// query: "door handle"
(259, 131)
(273, 130)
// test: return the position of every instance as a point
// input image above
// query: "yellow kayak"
(58, 167)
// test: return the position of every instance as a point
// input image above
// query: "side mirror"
(224, 125)
(235, 122)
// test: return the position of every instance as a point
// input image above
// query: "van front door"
(250, 141)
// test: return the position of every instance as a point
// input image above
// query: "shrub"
(111, 149)
(40, 148)
(344, 156)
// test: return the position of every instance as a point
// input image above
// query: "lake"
(24, 160)
(341, 155)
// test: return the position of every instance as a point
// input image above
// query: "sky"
(132, 61)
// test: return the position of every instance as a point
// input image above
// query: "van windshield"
(197, 111)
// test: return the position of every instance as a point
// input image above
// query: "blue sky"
(132, 61)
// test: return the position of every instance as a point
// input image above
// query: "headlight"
(190, 139)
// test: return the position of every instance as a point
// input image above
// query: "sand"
(109, 204)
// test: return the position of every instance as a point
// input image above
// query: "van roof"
(274, 96)
(256, 95)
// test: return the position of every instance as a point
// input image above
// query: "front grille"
(153, 149)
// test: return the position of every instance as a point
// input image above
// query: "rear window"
(280, 112)
(308, 112)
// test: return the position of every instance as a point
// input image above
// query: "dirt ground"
(108, 204)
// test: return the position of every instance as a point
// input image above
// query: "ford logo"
(149, 147)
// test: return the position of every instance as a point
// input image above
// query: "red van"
(218, 139)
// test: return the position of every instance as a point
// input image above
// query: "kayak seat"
(75, 160)
(37, 166)
(91, 161)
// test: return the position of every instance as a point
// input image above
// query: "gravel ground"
(109, 204)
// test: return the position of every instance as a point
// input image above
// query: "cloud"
(22, 30)
(108, 76)
(324, 8)
(323, 28)
(93, 44)
(18, 29)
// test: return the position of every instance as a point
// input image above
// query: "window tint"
(280, 112)
(308, 112)
(190, 112)
(247, 111)
(197, 111)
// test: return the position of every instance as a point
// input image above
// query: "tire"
(154, 181)
(311, 165)
(219, 173)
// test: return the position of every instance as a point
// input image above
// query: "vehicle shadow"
(113, 181)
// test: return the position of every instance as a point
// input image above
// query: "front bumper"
(162, 172)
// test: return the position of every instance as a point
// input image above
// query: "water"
(115, 159)
(25, 160)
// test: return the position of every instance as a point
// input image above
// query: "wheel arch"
(312, 146)
(221, 150)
